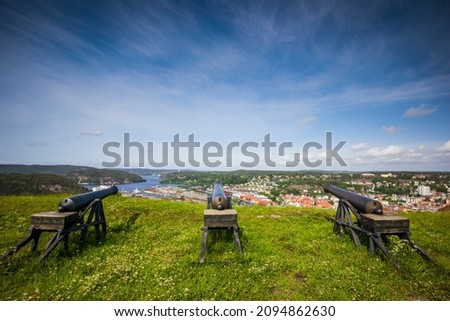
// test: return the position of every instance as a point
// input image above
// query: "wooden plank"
(53, 220)
(386, 224)
(219, 212)
(220, 218)
(203, 251)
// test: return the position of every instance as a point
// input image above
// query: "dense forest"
(103, 176)
(33, 184)
(81, 174)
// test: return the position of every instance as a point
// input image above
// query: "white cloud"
(444, 148)
(391, 150)
(308, 120)
(421, 110)
(95, 132)
(36, 143)
(391, 130)
(360, 146)
(399, 157)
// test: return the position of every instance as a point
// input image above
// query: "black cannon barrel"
(80, 201)
(364, 204)
(219, 200)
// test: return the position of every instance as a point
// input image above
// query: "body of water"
(150, 181)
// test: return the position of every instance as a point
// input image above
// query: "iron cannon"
(81, 201)
(219, 215)
(363, 204)
(75, 213)
(218, 200)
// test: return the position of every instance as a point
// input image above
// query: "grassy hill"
(152, 248)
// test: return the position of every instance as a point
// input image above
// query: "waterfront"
(397, 192)
(150, 181)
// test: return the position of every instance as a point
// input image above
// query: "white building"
(423, 190)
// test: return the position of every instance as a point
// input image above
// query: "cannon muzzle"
(364, 204)
(80, 201)
(219, 200)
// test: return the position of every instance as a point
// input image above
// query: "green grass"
(152, 249)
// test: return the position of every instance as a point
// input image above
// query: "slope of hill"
(152, 249)
(82, 174)
(39, 169)
(103, 176)
(34, 184)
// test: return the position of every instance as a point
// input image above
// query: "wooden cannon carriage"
(370, 221)
(74, 213)
(218, 216)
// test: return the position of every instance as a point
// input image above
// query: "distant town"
(397, 191)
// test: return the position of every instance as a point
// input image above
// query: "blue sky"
(77, 74)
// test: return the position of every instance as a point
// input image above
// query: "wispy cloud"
(319, 93)
(158, 68)
(422, 110)
(95, 132)
(360, 146)
(308, 120)
(391, 150)
(37, 143)
(403, 156)
(444, 148)
(389, 130)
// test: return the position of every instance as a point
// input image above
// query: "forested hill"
(26, 184)
(39, 169)
(81, 174)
